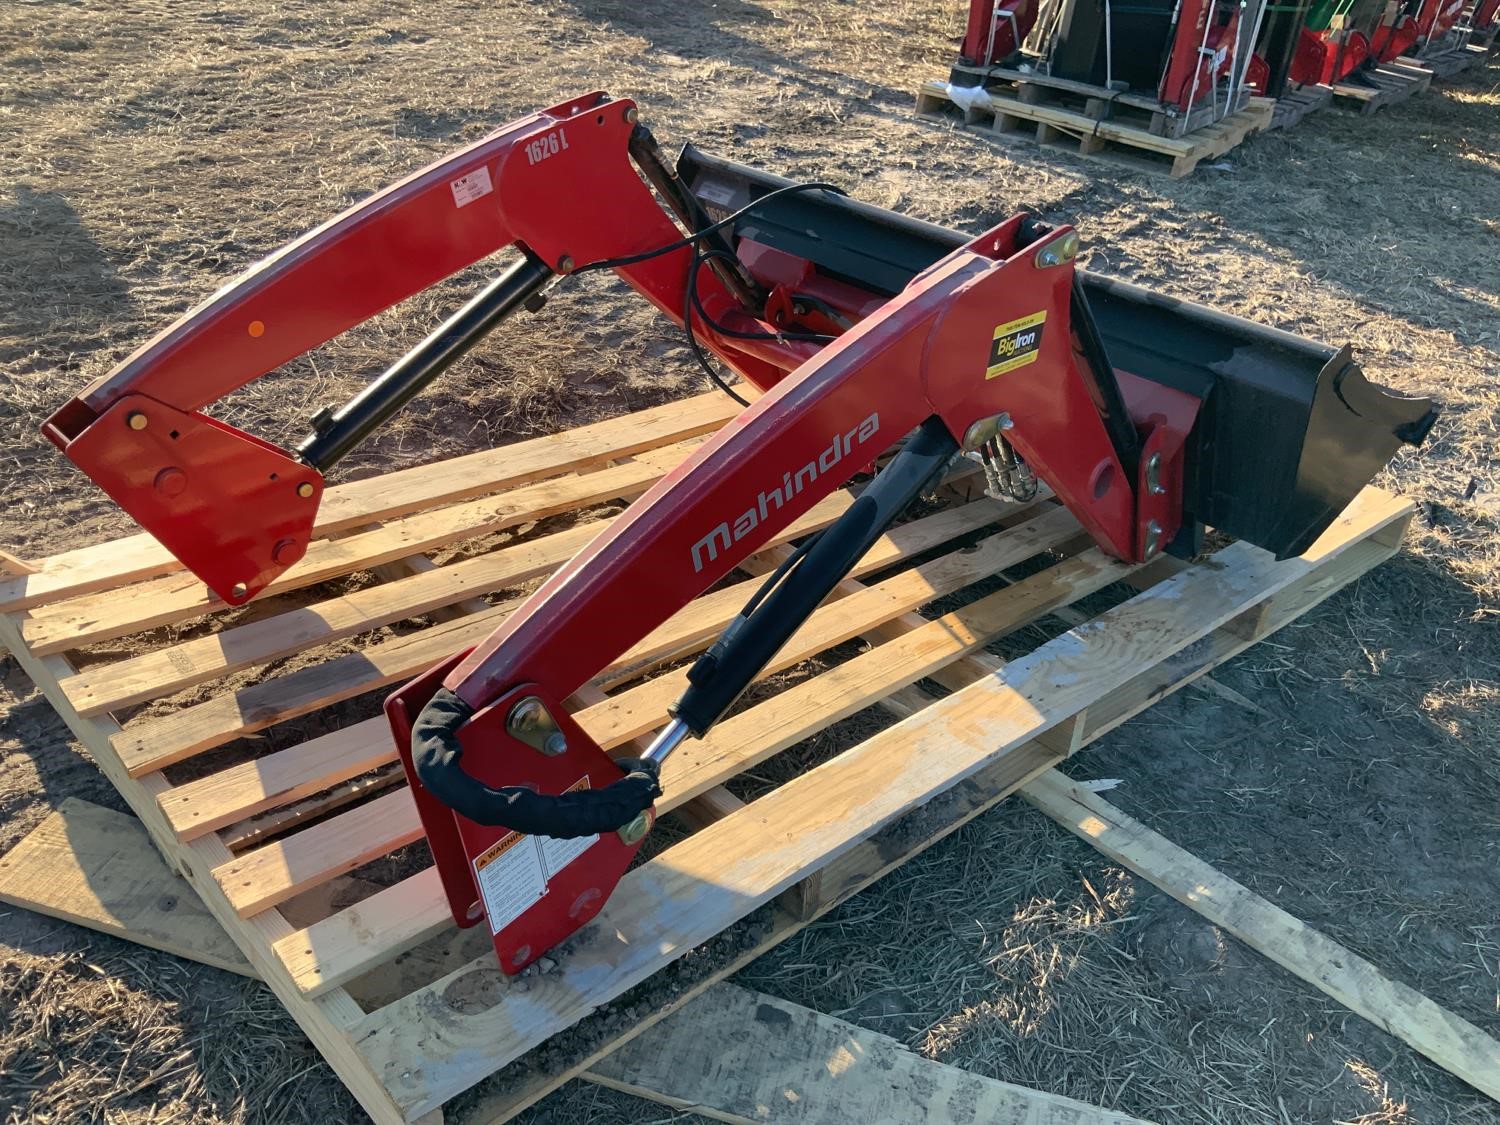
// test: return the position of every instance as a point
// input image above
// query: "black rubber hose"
(436, 753)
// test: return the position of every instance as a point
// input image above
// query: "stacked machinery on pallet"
(1188, 54)
(1192, 54)
(867, 332)
(1484, 19)
(1324, 42)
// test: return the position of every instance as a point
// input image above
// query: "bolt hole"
(274, 476)
(599, 120)
(1104, 480)
(173, 435)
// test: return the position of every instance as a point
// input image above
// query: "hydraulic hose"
(437, 756)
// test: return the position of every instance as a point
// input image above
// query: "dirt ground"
(151, 150)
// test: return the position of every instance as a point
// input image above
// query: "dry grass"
(96, 1030)
(149, 151)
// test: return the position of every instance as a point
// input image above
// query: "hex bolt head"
(555, 744)
(631, 115)
(1058, 251)
(306, 489)
(635, 831)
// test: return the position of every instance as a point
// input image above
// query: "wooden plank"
(352, 942)
(276, 872)
(366, 501)
(333, 558)
(704, 809)
(272, 874)
(326, 1019)
(1228, 640)
(96, 867)
(1076, 122)
(160, 742)
(699, 887)
(13, 565)
(883, 853)
(276, 821)
(751, 1059)
(273, 780)
(152, 675)
(85, 621)
(1448, 1040)
(737, 1055)
(150, 746)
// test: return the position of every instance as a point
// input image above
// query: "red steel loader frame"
(864, 331)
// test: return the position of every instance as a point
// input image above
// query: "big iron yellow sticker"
(1016, 344)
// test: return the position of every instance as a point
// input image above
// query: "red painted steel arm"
(237, 510)
(926, 353)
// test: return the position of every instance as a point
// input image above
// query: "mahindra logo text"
(707, 549)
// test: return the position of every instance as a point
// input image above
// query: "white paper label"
(476, 185)
(716, 192)
(510, 878)
(514, 871)
(557, 854)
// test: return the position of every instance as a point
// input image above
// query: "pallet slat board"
(1382, 86)
(1449, 61)
(1295, 103)
(1096, 137)
(268, 716)
(1132, 108)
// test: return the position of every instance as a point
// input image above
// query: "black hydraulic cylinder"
(335, 434)
(722, 673)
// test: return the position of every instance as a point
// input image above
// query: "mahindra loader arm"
(559, 186)
(869, 333)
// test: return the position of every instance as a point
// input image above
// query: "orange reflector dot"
(257, 328)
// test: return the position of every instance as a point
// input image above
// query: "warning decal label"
(510, 878)
(557, 854)
(514, 871)
(1016, 344)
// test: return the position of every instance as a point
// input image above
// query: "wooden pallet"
(1296, 103)
(249, 741)
(1006, 119)
(1449, 62)
(1381, 87)
(1123, 106)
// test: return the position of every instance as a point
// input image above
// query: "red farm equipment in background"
(1341, 38)
(1189, 57)
(995, 31)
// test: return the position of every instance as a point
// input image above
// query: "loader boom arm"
(864, 330)
(559, 185)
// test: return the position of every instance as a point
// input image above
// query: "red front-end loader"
(871, 337)
(1185, 54)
